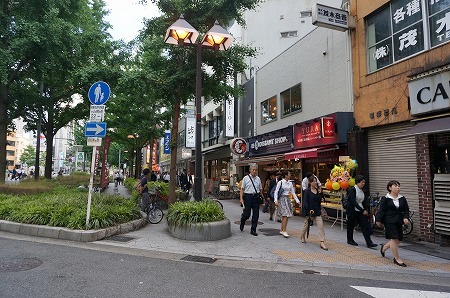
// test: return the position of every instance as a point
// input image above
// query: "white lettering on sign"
(381, 52)
(274, 141)
(408, 39)
(412, 7)
(443, 23)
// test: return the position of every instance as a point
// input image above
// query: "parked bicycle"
(375, 205)
(154, 213)
(408, 228)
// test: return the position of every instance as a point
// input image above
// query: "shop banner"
(190, 132)
(229, 118)
(328, 130)
(278, 141)
(167, 142)
(316, 132)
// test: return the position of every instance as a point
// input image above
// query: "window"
(10, 153)
(305, 13)
(291, 100)
(249, 107)
(214, 130)
(289, 34)
(397, 31)
(269, 110)
(11, 143)
(249, 120)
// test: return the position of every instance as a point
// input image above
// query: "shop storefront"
(216, 168)
(318, 143)
(267, 151)
(429, 132)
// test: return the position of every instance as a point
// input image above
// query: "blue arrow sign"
(99, 93)
(95, 129)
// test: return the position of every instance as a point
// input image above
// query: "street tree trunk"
(3, 129)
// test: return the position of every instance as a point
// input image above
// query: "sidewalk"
(272, 248)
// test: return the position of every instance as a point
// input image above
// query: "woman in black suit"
(358, 203)
(393, 213)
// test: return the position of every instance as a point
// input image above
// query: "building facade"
(401, 65)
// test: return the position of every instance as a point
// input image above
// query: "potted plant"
(198, 221)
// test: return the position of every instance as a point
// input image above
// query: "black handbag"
(257, 195)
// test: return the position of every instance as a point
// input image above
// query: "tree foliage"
(172, 69)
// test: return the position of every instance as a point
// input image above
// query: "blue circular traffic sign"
(99, 93)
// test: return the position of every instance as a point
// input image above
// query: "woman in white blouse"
(283, 201)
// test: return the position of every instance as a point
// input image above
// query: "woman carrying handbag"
(282, 200)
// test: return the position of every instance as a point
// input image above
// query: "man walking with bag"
(251, 190)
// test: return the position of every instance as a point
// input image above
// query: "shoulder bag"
(257, 194)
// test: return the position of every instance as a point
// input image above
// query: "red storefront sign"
(328, 130)
(315, 133)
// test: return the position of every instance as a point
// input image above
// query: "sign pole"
(91, 183)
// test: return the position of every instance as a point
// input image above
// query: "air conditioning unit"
(441, 190)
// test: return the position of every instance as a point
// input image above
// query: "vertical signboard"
(167, 142)
(229, 118)
(190, 132)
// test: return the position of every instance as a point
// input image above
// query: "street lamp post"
(217, 38)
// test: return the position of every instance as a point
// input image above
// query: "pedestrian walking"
(249, 197)
(312, 202)
(393, 213)
(357, 211)
(143, 188)
(284, 202)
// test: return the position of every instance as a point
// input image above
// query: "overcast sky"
(126, 17)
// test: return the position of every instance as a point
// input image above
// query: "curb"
(70, 234)
(208, 231)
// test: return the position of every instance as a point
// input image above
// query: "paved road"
(55, 268)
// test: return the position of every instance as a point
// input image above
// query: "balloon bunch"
(341, 176)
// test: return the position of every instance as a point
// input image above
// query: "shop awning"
(425, 127)
(308, 153)
(261, 160)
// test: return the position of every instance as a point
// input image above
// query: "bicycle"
(409, 227)
(375, 204)
(154, 213)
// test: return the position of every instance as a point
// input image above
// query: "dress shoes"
(241, 227)
(381, 250)
(371, 245)
(253, 233)
(352, 243)
(399, 264)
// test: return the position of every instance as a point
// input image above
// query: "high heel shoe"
(322, 246)
(303, 239)
(381, 250)
(399, 264)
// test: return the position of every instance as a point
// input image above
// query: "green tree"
(173, 69)
(28, 156)
(76, 54)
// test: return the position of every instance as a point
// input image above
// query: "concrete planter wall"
(209, 231)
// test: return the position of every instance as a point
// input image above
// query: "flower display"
(341, 175)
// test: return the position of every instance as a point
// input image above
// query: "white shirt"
(359, 197)
(247, 185)
(287, 188)
(305, 183)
